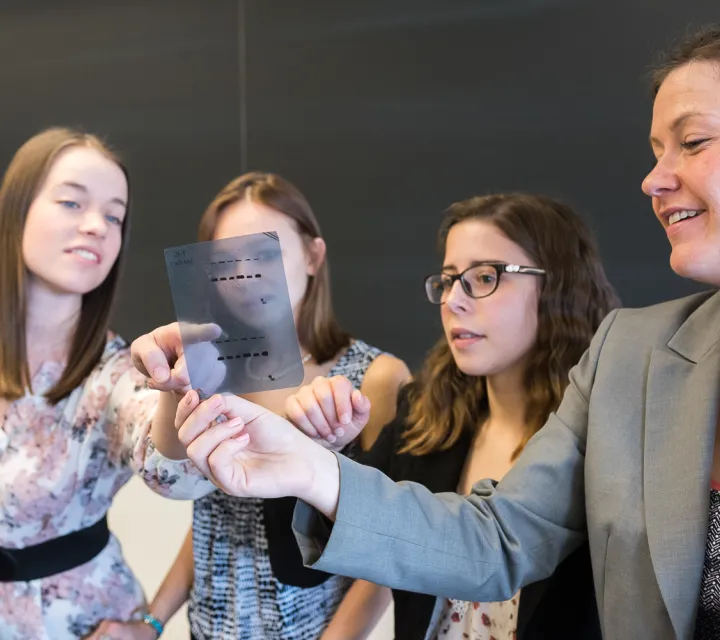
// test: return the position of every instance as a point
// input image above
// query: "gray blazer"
(625, 461)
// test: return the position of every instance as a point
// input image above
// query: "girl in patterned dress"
(74, 414)
(240, 568)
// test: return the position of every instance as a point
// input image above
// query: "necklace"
(272, 377)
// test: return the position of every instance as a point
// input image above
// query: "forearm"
(175, 589)
(163, 431)
(359, 612)
(481, 548)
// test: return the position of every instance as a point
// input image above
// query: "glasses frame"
(500, 268)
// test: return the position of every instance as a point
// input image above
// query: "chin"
(470, 366)
(701, 265)
(69, 287)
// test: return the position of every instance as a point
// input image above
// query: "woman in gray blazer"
(626, 462)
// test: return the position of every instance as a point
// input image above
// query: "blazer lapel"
(680, 423)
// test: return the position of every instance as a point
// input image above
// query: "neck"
(51, 318)
(507, 399)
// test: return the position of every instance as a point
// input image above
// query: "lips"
(684, 214)
(462, 338)
(86, 253)
(463, 334)
(670, 216)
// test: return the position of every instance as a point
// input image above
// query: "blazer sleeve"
(480, 548)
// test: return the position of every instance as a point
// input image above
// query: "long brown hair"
(20, 185)
(575, 296)
(700, 46)
(317, 327)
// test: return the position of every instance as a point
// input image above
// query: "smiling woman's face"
(685, 183)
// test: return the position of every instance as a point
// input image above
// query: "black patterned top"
(236, 593)
(708, 618)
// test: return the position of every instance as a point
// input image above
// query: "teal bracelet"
(154, 623)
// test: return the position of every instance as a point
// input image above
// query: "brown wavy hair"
(20, 185)
(575, 296)
(317, 326)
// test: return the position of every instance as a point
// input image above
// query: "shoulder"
(657, 324)
(115, 360)
(114, 346)
(620, 353)
(367, 366)
(387, 371)
(665, 315)
(385, 374)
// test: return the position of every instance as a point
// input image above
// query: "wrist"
(322, 489)
(157, 625)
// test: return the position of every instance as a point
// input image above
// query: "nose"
(456, 299)
(94, 224)
(663, 179)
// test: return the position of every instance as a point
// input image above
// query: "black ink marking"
(226, 340)
(240, 276)
(239, 356)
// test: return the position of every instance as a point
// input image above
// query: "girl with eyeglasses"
(520, 294)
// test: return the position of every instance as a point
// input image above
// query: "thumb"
(236, 407)
(360, 403)
(194, 333)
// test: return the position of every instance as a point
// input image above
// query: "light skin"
(685, 139)
(71, 240)
(163, 350)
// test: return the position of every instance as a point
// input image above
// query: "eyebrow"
(84, 189)
(474, 263)
(677, 123)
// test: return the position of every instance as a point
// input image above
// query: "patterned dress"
(236, 594)
(60, 467)
(478, 620)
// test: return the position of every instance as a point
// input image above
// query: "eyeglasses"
(478, 281)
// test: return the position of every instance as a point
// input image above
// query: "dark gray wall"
(159, 79)
(382, 111)
(386, 111)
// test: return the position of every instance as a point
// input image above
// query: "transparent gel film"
(232, 303)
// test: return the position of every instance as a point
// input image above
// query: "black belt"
(53, 556)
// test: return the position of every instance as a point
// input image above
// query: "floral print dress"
(60, 467)
(478, 620)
